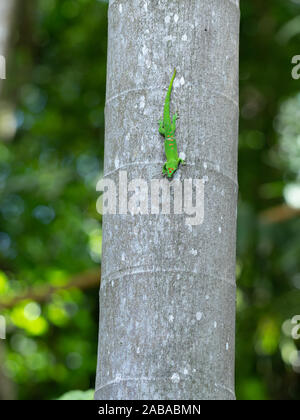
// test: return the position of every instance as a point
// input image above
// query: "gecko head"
(171, 168)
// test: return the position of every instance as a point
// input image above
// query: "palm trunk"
(6, 16)
(7, 388)
(167, 298)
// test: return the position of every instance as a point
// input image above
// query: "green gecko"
(167, 129)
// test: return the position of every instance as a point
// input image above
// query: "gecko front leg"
(161, 127)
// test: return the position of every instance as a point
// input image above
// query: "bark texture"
(7, 389)
(167, 296)
(6, 15)
(6, 12)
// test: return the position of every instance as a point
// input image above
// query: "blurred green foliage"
(77, 395)
(49, 227)
(268, 254)
(51, 155)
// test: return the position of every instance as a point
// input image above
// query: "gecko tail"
(167, 101)
(171, 83)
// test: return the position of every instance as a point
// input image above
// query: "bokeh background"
(51, 156)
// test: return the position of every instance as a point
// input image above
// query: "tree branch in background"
(91, 279)
(83, 281)
(279, 214)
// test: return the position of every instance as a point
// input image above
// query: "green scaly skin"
(167, 128)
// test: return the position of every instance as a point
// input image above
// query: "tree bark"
(6, 16)
(7, 388)
(167, 296)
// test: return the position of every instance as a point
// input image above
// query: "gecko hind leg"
(175, 117)
(164, 170)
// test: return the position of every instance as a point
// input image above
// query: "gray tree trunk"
(167, 297)
(6, 15)
(7, 389)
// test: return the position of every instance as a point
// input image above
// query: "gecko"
(167, 129)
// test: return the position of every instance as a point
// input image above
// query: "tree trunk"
(7, 388)
(167, 297)
(6, 15)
